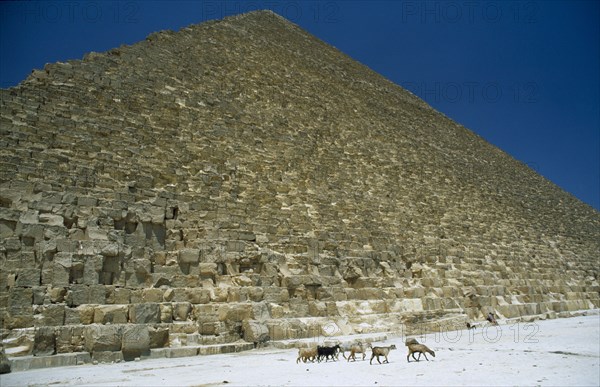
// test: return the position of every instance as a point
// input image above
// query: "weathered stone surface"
(45, 341)
(135, 341)
(100, 338)
(159, 337)
(113, 314)
(144, 313)
(70, 339)
(4, 363)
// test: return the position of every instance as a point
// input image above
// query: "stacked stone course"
(240, 178)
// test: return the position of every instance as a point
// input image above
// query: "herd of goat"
(321, 353)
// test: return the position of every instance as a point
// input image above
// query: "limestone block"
(181, 311)
(189, 256)
(69, 339)
(4, 362)
(207, 323)
(20, 298)
(96, 233)
(51, 219)
(276, 311)
(275, 294)
(219, 294)
(246, 236)
(254, 331)
(119, 296)
(83, 314)
(29, 217)
(44, 342)
(77, 295)
(59, 270)
(185, 281)
(57, 295)
(86, 201)
(39, 295)
(142, 266)
(92, 266)
(208, 269)
(110, 250)
(97, 294)
(243, 280)
(159, 337)
(7, 228)
(102, 338)
(28, 277)
(260, 311)
(107, 356)
(235, 312)
(157, 214)
(18, 319)
(253, 293)
(197, 295)
(114, 314)
(166, 313)
(49, 315)
(152, 295)
(135, 341)
(147, 313)
(19, 343)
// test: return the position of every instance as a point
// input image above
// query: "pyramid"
(240, 181)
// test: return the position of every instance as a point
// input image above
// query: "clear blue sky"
(523, 75)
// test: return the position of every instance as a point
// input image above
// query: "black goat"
(326, 352)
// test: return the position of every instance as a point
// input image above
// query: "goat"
(327, 352)
(358, 348)
(346, 347)
(492, 319)
(420, 349)
(381, 351)
(306, 354)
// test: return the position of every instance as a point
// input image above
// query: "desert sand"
(557, 352)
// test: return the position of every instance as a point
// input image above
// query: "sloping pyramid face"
(239, 179)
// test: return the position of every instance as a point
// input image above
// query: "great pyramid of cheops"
(240, 181)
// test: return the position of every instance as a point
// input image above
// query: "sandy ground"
(562, 352)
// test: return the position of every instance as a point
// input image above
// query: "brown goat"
(420, 349)
(358, 348)
(381, 351)
(306, 354)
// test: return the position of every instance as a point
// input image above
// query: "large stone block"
(189, 256)
(147, 313)
(4, 362)
(49, 315)
(70, 339)
(20, 299)
(83, 314)
(113, 314)
(45, 341)
(255, 331)
(135, 341)
(236, 312)
(28, 277)
(181, 311)
(159, 337)
(166, 313)
(100, 338)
